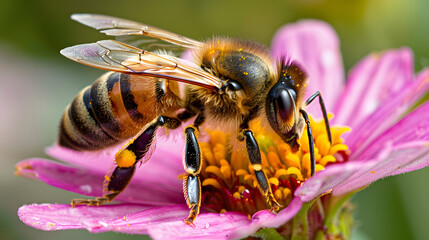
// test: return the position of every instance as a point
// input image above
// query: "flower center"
(227, 179)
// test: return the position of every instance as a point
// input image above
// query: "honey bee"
(228, 83)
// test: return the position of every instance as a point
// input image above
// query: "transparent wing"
(151, 44)
(117, 27)
(119, 57)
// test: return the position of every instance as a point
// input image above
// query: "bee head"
(284, 101)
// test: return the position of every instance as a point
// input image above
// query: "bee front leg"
(126, 160)
(256, 161)
(324, 112)
(192, 164)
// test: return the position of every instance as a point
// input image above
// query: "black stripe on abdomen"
(85, 122)
(102, 107)
(128, 98)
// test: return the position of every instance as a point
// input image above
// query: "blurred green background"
(37, 83)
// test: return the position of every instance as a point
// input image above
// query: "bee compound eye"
(280, 105)
(285, 103)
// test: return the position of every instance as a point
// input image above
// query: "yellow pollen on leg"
(257, 167)
(126, 158)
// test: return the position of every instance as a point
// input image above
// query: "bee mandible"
(228, 83)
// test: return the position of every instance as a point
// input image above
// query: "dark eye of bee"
(281, 103)
(284, 102)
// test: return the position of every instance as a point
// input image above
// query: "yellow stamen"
(337, 148)
(223, 162)
(280, 173)
(327, 159)
(236, 195)
(232, 173)
(241, 172)
(239, 159)
(208, 154)
(274, 160)
(292, 160)
(278, 194)
(319, 168)
(214, 170)
(286, 193)
(226, 172)
(306, 165)
(323, 144)
(274, 181)
(295, 171)
(337, 132)
(219, 152)
(211, 182)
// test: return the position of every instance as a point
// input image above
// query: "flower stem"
(339, 219)
(268, 234)
(300, 223)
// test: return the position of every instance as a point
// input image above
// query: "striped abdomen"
(114, 109)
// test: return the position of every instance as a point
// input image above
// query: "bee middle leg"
(309, 133)
(126, 160)
(324, 112)
(192, 164)
(256, 161)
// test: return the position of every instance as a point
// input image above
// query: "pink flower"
(386, 140)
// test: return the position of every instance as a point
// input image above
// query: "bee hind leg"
(126, 160)
(256, 161)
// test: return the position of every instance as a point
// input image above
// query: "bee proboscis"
(228, 84)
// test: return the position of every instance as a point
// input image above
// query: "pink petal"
(413, 127)
(165, 148)
(315, 45)
(161, 170)
(160, 223)
(51, 217)
(90, 183)
(388, 112)
(207, 226)
(375, 79)
(326, 180)
(267, 219)
(393, 159)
